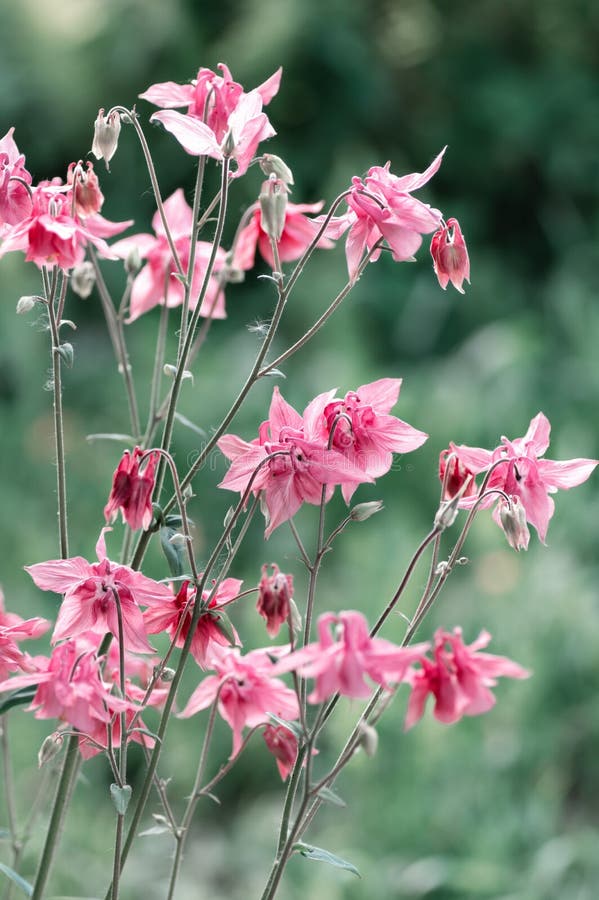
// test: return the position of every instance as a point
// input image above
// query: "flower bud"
(106, 136)
(50, 747)
(446, 514)
(133, 261)
(26, 304)
(83, 279)
(166, 675)
(282, 743)
(369, 738)
(273, 207)
(450, 256)
(274, 165)
(274, 593)
(364, 511)
(512, 516)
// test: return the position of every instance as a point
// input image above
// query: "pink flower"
(282, 743)
(132, 489)
(211, 97)
(89, 597)
(247, 126)
(459, 678)
(339, 664)
(165, 614)
(459, 475)
(15, 202)
(88, 196)
(450, 256)
(246, 690)
(12, 630)
(386, 211)
(364, 432)
(70, 688)
(299, 473)
(297, 235)
(149, 286)
(274, 594)
(522, 473)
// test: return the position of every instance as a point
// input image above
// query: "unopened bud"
(513, 521)
(295, 617)
(83, 278)
(364, 511)
(273, 207)
(446, 514)
(228, 145)
(369, 738)
(50, 747)
(26, 304)
(133, 261)
(167, 674)
(106, 136)
(274, 165)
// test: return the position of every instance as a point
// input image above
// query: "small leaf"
(155, 829)
(189, 424)
(274, 373)
(176, 554)
(121, 438)
(320, 855)
(120, 797)
(67, 354)
(293, 727)
(17, 698)
(147, 732)
(173, 521)
(331, 797)
(20, 882)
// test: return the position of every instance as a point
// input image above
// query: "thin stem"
(197, 194)
(9, 798)
(59, 430)
(157, 374)
(306, 559)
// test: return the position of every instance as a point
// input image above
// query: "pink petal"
(169, 94)
(60, 574)
(270, 87)
(566, 473)
(195, 136)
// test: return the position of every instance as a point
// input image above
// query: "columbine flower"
(157, 282)
(459, 678)
(106, 136)
(166, 614)
(12, 630)
(132, 489)
(89, 597)
(274, 594)
(296, 236)
(522, 473)
(450, 256)
(15, 202)
(298, 473)
(282, 743)
(340, 663)
(247, 692)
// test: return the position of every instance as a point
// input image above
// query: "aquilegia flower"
(450, 256)
(132, 489)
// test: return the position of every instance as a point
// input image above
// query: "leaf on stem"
(175, 552)
(16, 879)
(17, 698)
(330, 796)
(320, 855)
(120, 797)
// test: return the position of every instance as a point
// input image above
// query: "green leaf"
(17, 698)
(120, 797)
(331, 797)
(20, 882)
(293, 727)
(176, 554)
(320, 855)
(155, 829)
(67, 354)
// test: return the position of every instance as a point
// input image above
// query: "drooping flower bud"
(456, 476)
(88, 196)
(50, 747)
(282, 743)
(273, 207)
(274, 165)
(26, 304)
(132, 489)
(512, 516)
(363, 511)
(274, 595)
(450, 256)
(106, 136)
(83, 279)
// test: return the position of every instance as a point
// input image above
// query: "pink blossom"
(282, 743)
(211, 97)
(246, 690)
(89, 597)
(459, 678)
(381, 207)
(274, 594)
(450, 256)
(522, 473)
(297, 235)
(15, 201)
(298, 473)
(70, 688)
(165, 614)
(458, 478)
(340, 663)
(132, 489)
(157, 282)
(12, 630)
(364, 432)
(89, 199)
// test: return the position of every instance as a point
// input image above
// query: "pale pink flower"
(282, 743)
(340, 661)
(298, 474)
(522, 473)
(459, 677)
(89, 597)
(166, 613)
(274, 594)
(157, 283)
(450, 256)
(382, 207)
(211, 97)
(132, 489)
(12, 630)
(89, 199)
(15, 202)
(246, 690)
(364, 432)
(247, 126)
(297, 235)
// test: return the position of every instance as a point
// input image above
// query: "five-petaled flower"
(132, 489)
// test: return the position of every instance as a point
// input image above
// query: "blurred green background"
(504, 806)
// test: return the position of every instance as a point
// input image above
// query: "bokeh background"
(504, 806)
